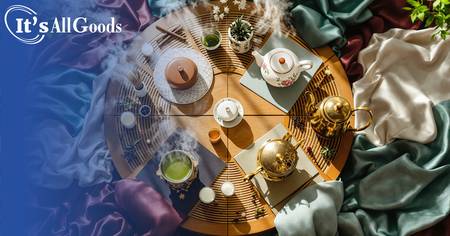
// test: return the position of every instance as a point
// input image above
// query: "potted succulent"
(240, 34)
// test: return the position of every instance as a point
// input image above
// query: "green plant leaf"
(436, 3)
(439, 15)
(429, 21)
(421, 16)
(443, 34)
(413, 3)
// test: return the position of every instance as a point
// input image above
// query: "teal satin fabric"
(400, 188)
(320, 22)
(397, 189)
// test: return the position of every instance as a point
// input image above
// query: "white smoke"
(85, 8)
(167, 6)
(272, 14)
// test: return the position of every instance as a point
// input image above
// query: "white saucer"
(236, 121)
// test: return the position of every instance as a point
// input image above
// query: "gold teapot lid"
(278, 157)
(337, 109)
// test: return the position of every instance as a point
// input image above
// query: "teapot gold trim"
(277, 159)
(331, 117)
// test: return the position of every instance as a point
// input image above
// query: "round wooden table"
(260, 117)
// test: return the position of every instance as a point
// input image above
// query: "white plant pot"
(240, 46)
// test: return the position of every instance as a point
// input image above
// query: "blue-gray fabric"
(396, 189)
(312, 211)
(68, 143)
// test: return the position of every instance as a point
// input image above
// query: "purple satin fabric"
(126, 207)
(86, 51)
(387, 14)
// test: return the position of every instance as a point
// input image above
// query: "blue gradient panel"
(13, 178)
(33, 92)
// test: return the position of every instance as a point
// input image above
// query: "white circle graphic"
(37, 39)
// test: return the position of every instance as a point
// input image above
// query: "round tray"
(221, 218)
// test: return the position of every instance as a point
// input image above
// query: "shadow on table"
(242, 135)
(199, 107)
(219, 149)
(219, 57)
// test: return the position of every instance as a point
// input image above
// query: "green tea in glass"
(211, 38)
(176, 166)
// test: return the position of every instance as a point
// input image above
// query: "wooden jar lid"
(181, 73)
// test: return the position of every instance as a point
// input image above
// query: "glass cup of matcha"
(176, 167)
(211, 38)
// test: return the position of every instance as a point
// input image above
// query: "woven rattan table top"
(260, 116)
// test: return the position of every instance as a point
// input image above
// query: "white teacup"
(128, 119)
(227, 189)
(207, 195)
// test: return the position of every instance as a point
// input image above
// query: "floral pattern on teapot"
(280, 67)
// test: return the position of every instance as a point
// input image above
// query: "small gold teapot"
(331, 117)
(277, 159)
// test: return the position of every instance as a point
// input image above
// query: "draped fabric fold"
(406, 72)
(126, 207)
(320, 22)
(68, 142)
(348, 25)
(387, 14)
(397, 189)
(305, 213)
(402, 187)
(67, 101)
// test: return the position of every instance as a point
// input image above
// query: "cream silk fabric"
(406, 73)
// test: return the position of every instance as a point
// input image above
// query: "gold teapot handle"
(311, 102)
(250, 176)
(369, 122)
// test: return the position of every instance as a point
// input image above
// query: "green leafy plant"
(435, 12)
(240, 30)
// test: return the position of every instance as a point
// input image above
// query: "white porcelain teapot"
(281, 67)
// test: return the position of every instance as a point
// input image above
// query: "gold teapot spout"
(311, 102)
(299, 143)
(250, 176)
(287, 136)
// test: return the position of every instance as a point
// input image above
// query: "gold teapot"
(331, 117)
(277, 159)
